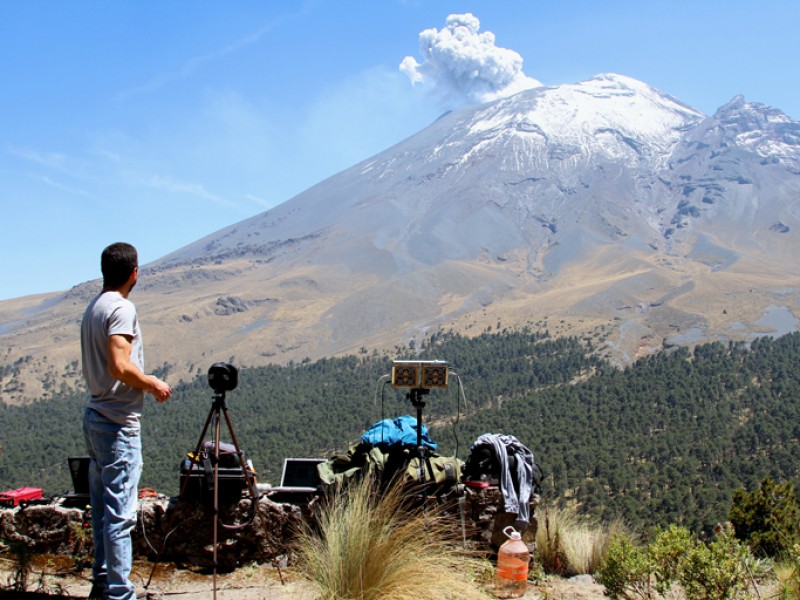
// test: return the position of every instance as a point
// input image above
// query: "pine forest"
(668, 439)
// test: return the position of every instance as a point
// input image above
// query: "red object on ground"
(477, 484)
(14, 497)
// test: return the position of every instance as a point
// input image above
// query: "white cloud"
(182, 187)
(53, 160)
(65, 188)
(465, 65)
(258, 201)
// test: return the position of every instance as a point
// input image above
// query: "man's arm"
(122, 368)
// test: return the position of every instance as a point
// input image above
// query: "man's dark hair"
(117, 263)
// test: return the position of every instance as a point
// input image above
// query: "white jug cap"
(514, 535)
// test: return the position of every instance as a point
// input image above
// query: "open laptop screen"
(300, 473)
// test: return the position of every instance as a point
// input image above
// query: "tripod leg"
(196, 455)
(182, 494)
(420, 447)
(247, 475)
(216, 499)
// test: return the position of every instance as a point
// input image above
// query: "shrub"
(767, 518)
(666, 553)
(721, 570)
(625, 570)
(371, 546)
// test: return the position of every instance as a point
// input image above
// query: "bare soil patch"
(253, 582)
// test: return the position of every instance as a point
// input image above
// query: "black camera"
(223, 377)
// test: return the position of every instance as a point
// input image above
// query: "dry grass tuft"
(370, 546)
(568, 543)
(787, 572)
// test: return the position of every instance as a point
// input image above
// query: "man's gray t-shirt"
(111, 314)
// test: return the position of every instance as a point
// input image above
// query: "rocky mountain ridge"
(605, 209)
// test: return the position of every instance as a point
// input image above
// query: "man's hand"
(160, 390)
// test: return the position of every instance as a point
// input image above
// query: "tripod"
(415, 396)
(219, 406)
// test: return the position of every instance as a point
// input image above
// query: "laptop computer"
(299, 479)
(79, 473)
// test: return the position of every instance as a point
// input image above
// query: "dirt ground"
(262, 582)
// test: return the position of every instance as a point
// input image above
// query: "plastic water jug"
(513, 558)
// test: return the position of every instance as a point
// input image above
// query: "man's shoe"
(97, 592)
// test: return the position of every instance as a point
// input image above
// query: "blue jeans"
(114, 469)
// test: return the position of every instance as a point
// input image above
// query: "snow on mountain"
(735, 176)
(609, 114)
(760, 129)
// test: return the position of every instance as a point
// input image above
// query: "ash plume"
(464, 65)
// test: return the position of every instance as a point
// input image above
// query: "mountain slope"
(605, 208)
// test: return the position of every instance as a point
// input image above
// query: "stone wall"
(166, 529)
(179, 531)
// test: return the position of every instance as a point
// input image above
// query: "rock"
(484, 508)
(46, 528)
(166, 529)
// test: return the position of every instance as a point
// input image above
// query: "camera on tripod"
(223, 377)
(217, 471)
(212, 470)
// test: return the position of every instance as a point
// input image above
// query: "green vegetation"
(665, 440)
(722, 569)
(768, 518)
(626, 570)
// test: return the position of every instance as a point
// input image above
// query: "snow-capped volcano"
(604, 206)
(610, 116)
(478, 177)
(546, 175)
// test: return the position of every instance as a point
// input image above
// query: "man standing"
(113, 367)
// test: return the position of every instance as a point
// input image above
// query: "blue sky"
(159, 123)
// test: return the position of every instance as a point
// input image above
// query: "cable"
(144, 533)
(382, 379)
(164, 544)
(251, 517)
(459, 395)
(385, 379)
